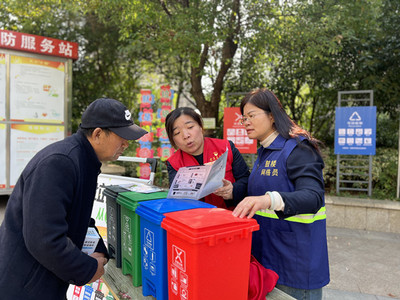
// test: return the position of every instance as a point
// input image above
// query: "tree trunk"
(211, 108)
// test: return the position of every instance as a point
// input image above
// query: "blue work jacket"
(293, 242)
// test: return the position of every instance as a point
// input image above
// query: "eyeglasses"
(249, 117)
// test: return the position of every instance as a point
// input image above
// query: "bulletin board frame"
(23, 134)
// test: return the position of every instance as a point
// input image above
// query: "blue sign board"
(355, 130)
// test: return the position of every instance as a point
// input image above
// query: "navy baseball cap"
(112, 114)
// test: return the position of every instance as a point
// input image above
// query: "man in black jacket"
(49, 210)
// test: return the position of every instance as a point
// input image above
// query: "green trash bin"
(130, 232)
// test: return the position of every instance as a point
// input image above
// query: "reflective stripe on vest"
(302, 218)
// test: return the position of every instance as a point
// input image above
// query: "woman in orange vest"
(186, 134)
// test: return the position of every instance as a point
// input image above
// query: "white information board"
(2, 86)
(36, 90)
(25, 141)
(2, 156)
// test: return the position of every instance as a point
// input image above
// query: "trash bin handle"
(153, 164)
(151, 161)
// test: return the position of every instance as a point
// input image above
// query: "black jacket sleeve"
(304, 168)
(241, 174)
(171, 173)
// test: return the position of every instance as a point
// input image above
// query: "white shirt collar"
(268, 141)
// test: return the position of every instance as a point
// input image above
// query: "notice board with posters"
(35, 98)
(236, 132)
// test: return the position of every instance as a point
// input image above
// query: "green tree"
(104, 68)
(203, 35)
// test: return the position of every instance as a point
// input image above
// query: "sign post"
(355, 136)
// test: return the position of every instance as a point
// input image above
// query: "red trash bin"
(208, 254)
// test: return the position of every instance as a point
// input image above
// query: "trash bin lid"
(207, 224)
(131, 199)
(153, 210)
(113, 190)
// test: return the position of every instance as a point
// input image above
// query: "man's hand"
(101, 261)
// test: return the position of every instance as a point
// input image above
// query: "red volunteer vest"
(213, 149)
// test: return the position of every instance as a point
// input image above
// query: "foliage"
(196, 41)
(305, 51)
(104, 68)
(384, 174)
(387, 131)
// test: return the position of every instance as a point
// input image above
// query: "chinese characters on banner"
(38, 44)
(149, 118)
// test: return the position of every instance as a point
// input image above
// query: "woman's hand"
(250, 205)
(225, 191)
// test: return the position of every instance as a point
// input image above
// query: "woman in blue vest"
(186, 134)
(286, 197)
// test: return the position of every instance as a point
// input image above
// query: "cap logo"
(127, 115)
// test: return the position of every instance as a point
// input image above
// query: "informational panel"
(355, 130)
(36, 90)
(236, 132)
(26, 140)
(2, 87)
(2, 118)
(35, 98)
(2, 156)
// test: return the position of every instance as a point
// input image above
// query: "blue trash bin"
(153, 241)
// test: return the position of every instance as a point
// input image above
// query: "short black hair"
(175, 114)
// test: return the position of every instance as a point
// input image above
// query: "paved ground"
(364, 265)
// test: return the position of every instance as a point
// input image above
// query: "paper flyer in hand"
(91, 240)
(196, 182)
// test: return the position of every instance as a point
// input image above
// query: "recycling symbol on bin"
(149, 238)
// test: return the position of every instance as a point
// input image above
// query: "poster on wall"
(2, 156)
(235, 131)
(2, 87)
(36, 90)
(26, 140)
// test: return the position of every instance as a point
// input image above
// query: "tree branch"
(164, 6)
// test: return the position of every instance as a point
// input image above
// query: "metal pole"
(370, 176)
(398, 168)
(337, 173)
(338, 155)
